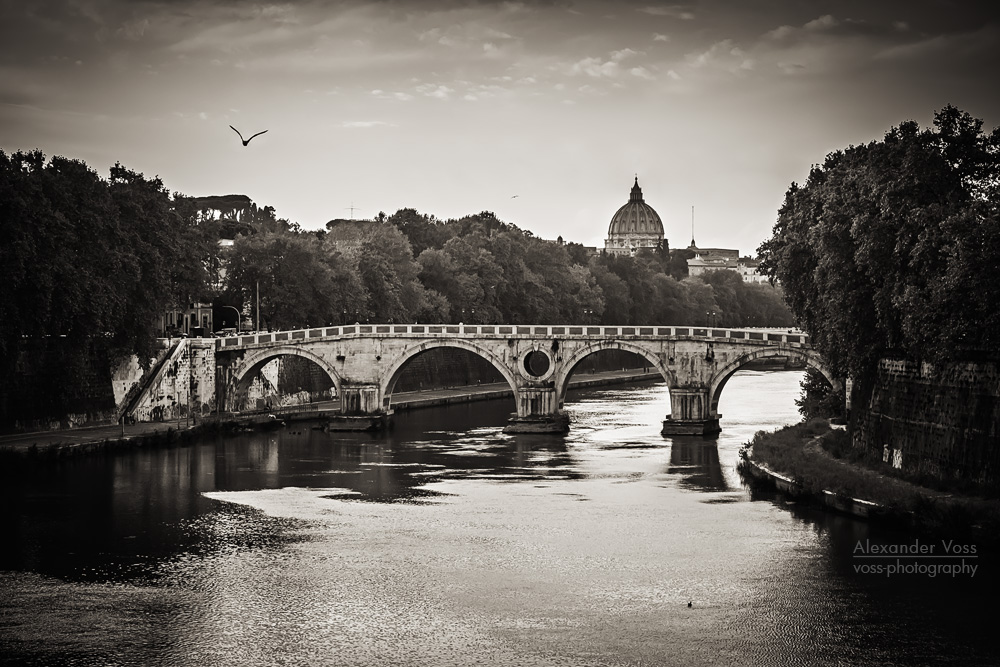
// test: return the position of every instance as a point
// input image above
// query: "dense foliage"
(88, 265)
(410, 267)
(892, 248)
(90, 260)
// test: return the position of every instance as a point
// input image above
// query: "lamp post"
(710, 317)
(237, 317)
(587, 315)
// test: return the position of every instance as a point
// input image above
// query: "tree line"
(410, 267)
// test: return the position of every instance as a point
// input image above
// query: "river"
(445, 542)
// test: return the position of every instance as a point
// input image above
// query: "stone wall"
(943, 422)
(184, 386)
(54, 386)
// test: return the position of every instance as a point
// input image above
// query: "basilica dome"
(635, 225)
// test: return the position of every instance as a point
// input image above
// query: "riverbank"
(118, 436)
(797, 462)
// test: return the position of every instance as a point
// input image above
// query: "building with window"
(715, 259)
(193, 320)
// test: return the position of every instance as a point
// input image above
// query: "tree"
(294, 279)
(818, 398)
(889, 249)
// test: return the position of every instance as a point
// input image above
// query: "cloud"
(202, 115)
(673, 11)
(718, 53)
(824, 22)
(598, 67)
(366, 124)
(382, 94)
(134, 29)
(465, 35)
(623, 54)
(438, 91)
(791, 68)
(642, 73)
(659, 37)
(827, 26)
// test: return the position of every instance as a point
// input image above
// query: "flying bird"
(515, 196)
(245, 141)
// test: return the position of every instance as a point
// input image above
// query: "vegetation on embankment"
(808, 453)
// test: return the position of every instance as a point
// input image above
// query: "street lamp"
(710, 316)
(237, 317)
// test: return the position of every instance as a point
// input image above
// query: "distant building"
(195, 319)
(635, 225)
(716, 259)
(748, 269)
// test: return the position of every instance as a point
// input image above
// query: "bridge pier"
(537, 411)
(690, 413)
(360, 408)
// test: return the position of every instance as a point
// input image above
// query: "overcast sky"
(456, 107)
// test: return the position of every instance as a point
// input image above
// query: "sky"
(542, 113)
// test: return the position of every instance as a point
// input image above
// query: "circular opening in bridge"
(536, 363)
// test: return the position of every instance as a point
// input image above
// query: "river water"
(445, 542)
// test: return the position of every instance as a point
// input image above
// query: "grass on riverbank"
(804, 453)
(793, 452)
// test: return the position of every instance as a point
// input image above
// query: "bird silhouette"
(515, 196)
(245, 141)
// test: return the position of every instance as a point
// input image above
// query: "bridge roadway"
(364, 361)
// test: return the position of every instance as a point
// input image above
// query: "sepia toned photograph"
(578, 333)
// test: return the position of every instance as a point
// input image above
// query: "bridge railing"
(513, 330)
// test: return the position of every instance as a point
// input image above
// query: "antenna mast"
(692, 226)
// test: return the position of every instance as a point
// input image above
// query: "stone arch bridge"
(364, 362)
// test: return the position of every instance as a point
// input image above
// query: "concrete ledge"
(857, 507)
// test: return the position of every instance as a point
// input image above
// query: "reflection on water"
(445, 541)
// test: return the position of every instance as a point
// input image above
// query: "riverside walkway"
(89, 435)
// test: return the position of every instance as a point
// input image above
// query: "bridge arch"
(722, 375)
(561, 379)
(256, 360)
(396, 368)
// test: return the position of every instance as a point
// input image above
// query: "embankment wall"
(942, 421)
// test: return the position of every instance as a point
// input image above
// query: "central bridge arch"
(562, 377)
(395, 370)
